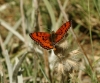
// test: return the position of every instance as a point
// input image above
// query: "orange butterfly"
(47, 40)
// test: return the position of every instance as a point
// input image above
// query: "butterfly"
(47, 40)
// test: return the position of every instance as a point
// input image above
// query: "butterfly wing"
(43, 39)
(60, 33)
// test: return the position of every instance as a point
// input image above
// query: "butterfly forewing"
(47, 40)
(43, 39)
(60, 33)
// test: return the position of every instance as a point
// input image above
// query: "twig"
(45, 57)
(47, 68)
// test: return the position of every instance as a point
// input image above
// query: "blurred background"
(23, 61)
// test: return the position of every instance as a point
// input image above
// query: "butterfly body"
(48, 41)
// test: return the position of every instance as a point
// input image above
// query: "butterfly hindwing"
(48, 41)
(42, 38)
(60, 33)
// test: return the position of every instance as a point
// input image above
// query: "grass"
(76, 58)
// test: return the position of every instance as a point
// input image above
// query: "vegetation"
(76, 58)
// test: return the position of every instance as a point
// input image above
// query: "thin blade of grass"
(43, 72)
(18, 65)
(51, 12)
(8, 27)
(61, 16)
(7, 60)
(11, 34)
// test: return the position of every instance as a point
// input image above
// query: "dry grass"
(76, 58)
